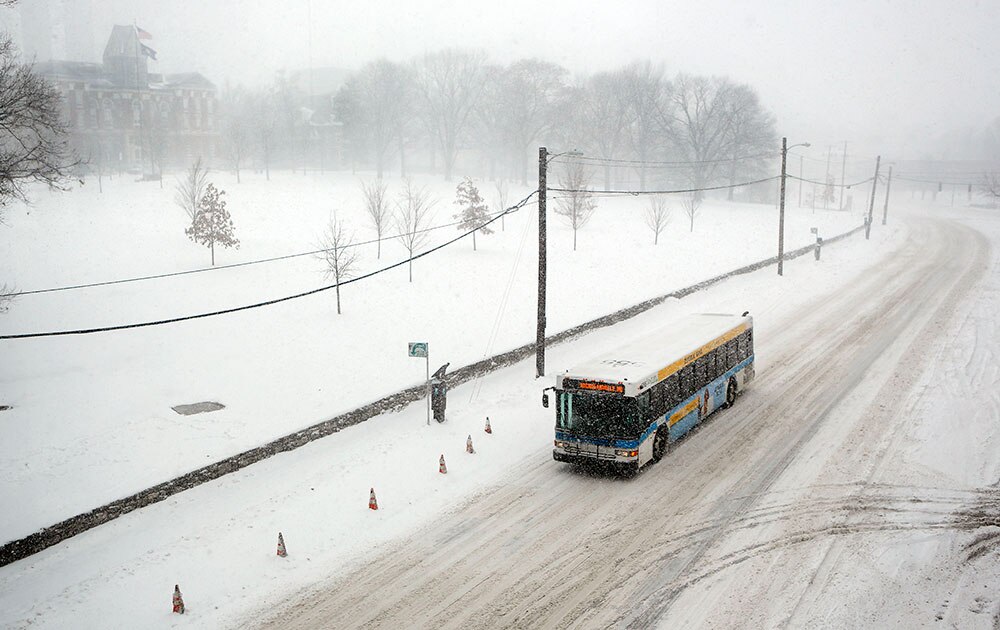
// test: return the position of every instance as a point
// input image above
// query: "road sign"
(417, 349)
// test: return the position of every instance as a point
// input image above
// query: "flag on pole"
(147, 51)
(142, 34)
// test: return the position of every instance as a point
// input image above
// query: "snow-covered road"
(821, 498)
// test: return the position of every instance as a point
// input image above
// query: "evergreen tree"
(474, 213)
(212, 224)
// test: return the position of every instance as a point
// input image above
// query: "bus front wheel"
(731, 393)
(660, 441)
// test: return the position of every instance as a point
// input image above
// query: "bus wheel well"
(731, 390)
(660, 443)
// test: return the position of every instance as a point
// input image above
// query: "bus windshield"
(597, 415)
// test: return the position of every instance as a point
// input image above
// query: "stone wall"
(42, 539)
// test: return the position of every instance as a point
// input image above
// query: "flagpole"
(138, 92)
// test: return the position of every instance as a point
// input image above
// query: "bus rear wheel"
(730, 393)
(660, 441)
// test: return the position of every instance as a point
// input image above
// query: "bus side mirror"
(545, 400)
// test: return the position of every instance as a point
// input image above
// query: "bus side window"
(644, 409)
(686, 381)
(656, 405)
(713, 365)
(731, 353)
(750, 341)
(700, 372)
(741, 344)
(671, 393)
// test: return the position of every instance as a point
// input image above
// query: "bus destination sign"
(594, 386)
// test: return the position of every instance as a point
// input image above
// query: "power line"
(229, 266)
(852, 161)
(812, 181)
(636, 193)
(940, 180)
(633, 163)
(287, 298)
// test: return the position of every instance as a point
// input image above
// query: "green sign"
(417, 349)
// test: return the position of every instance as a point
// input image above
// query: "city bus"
(626, 407)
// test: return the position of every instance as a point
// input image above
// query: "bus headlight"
(560, 444)
(622, 453)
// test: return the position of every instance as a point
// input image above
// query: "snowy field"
(91, 419)
(217, 541)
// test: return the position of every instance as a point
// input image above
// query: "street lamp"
(543, 161)
(781, 206)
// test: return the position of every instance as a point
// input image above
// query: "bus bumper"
(625, 467)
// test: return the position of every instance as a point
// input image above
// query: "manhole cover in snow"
(201, 407)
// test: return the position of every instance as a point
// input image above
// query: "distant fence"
(33, 543)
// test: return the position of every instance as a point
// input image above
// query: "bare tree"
(377, 206)
(33, 136)
(267, 122)
(502, 195)
(238, 139)
(490, 116)
(751, 137)
(991, 185)
(576, 203)
(606, 116)
(213, 224)
(412, 216)
(339, 254)
(450, 83)
(691, 205)
(657, 216)
(530, 93)
(189, 190)
(697, 122)
(375, 105)
(646, 93)
(236, 126)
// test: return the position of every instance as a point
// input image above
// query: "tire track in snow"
(556, 548)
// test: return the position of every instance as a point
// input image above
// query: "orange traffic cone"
(178, 600)
(281, 546)
(441, 467)
(468, 445)
(372, 503)
(489, 429)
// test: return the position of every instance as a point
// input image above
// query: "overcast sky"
(882, 74)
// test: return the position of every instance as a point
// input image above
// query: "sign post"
(422, 349)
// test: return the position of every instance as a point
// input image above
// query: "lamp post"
(781, 205)
(543, 161)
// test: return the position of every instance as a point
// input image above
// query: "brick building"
(123, 117)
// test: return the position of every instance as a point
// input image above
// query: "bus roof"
(641, 360)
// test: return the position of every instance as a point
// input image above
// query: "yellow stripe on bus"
(700, 352)
(688, 408)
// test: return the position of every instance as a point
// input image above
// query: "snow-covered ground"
(91, 417)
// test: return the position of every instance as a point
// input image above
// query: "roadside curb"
(42, 539)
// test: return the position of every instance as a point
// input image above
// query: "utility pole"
(800, 181)
(540, 335)
(781, 208)
(871, 206)
(843, 172)
(826, 182)
(888, 184)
